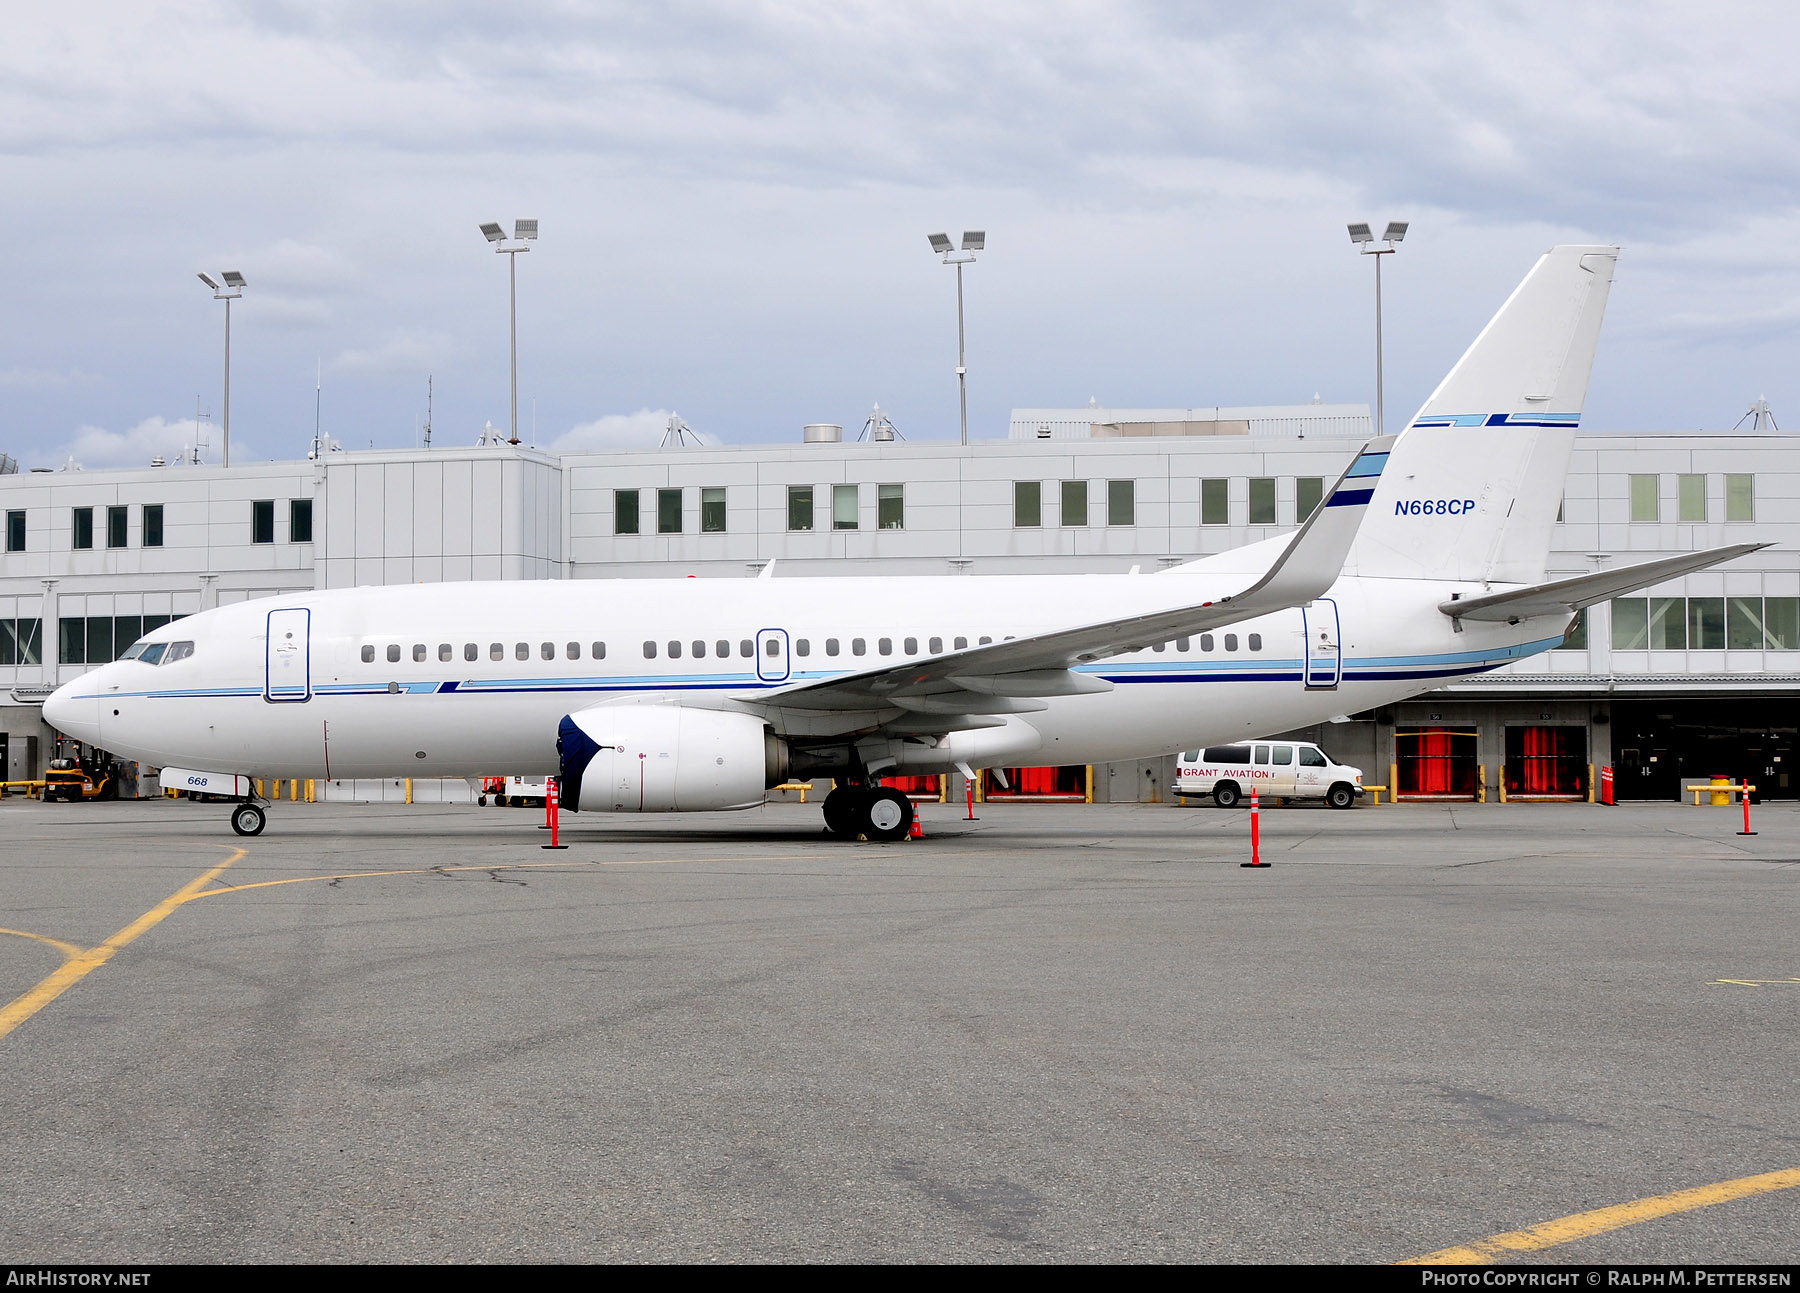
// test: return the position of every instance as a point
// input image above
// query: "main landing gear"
(879, 813)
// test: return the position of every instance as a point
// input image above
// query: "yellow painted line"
(67, 949)
(1758, 983)
(503, 866)
(1583, 1224)
(82, 963)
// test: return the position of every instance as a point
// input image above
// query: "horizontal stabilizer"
(1566, 596)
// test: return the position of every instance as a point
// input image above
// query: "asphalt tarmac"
(1060, 1033)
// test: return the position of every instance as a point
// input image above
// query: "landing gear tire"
(248, 819)
(887, 816)
(1226, 794)
(1340, 796)
(843, 811)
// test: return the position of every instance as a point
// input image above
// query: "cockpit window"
(178, 651)
(152, 653)
(133, 651)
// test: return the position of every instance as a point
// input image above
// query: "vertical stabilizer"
(1472, 488)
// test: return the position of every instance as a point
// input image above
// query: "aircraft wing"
(957, 689)
(1566, 596)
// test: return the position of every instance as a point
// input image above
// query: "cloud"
(644, 429)
(406, 351)
(93, 446)
(44, 378)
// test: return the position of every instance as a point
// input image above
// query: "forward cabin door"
(772, 655)
(287, 676)
(1324, 662)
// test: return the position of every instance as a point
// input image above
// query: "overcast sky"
(735, 196)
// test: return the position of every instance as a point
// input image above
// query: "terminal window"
(115, 526)
(1690, 498)
(1740, 498)
(81, 533)
(15, 531)
(262, 521)
(153, 525)
(1262, 500)
(668, 511)
(712, 510)
(1214, 502)
(800, 507)
(625, 511)
(1028, 504)
(1309, 492)
(1074, 503)
(843, 507)
(890, 507)
(21, 641)
(299, 520)
(1121, 502)
(1644, 502)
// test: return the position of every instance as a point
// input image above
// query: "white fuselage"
(323, 696)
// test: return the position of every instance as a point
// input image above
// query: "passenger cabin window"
(445, 651)
(497, 651)
(936, 645)
(859, 646)
(471, 651)
(547, 651)
(984, 641)
(368, 655)
(597, 651)
(885, 646)
(772, 647)
(746, 648)
(418, 652)
(722, 649)
(572, 651)
(831, 646)
(393, 653)
(675, 649)
(1231, 641)
(1181, 644)
(522, 650)
(1206, 642)
(912, 646)
(649, 650)
(960, 644)
(1256, 641)
(802, 646)
(699, 649)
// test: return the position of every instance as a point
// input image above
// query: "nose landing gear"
(248, 819)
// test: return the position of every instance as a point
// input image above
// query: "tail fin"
(1472, 488)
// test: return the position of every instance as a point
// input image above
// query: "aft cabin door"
(288, 673)
(1324, 663)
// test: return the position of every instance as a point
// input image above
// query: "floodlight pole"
(225, 424)
(512, 294)
(1363, 237)
(962, 368)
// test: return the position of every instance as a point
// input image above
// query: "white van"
(1277, 769)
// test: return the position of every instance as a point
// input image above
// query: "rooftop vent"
(821, 433)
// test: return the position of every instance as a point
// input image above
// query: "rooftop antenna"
(679, 434)
(202, 420)
(1762, 417)
(318, 404)
(878, 426)
(428, 410)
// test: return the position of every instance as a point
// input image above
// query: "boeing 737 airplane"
(1425, 563)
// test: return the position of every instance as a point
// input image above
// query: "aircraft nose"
(74, 715)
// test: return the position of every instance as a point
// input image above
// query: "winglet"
(1311, 563)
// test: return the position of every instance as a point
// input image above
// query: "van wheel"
(1340, 796)
(1226, 794)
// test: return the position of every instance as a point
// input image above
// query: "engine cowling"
(666, 759)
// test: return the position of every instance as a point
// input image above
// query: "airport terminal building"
(1695, 677)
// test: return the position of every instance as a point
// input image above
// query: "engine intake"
(666, 759)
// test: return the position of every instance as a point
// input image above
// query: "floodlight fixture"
(210, 281)
(940, 243)
(526, 230)
(974, 239)
(233, 279)
(1364, 239)
(492, 232)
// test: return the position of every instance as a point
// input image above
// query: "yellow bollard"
(311, 791)
(1090, 784)
(1590, 783)
(1481, 787)
(409, 790)
(1721, 790)
(943, 787)
(1500, 780)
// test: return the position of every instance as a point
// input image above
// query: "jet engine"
(666, 759)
